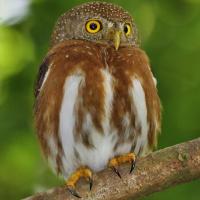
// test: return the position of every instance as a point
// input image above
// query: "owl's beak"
(116, 39)
(113, 37)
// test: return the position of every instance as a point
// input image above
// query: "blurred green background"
(170, 33)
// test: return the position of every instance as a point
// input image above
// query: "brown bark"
(155, 172)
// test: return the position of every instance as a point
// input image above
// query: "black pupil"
(125, 29)
(93, 26)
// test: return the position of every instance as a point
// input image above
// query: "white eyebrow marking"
(110, 24)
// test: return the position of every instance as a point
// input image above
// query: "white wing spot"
(90, 53)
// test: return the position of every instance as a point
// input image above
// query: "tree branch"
(155, 172)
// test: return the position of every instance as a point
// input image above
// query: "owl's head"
(96, 22)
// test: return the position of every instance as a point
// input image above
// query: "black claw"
(116, 170)
(73, 192)
(90, 178)
(132, 164)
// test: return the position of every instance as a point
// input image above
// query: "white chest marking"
(140, 103)
(96, 158)
(67, 121)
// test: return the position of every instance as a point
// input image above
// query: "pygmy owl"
(96, 102)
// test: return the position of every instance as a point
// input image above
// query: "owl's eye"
(93, 26)
(127, 28)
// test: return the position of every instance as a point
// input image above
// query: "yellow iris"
(93, 26)
(127, 28)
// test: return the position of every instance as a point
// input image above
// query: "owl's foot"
(114, 163)
(81, 172)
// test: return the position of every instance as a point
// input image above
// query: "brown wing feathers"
(41, 74)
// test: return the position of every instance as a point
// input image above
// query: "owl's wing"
(42, 74)
(41, 77)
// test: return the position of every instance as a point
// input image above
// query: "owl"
(96, 102)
